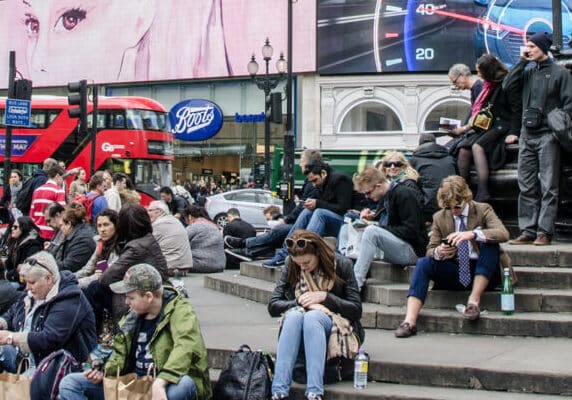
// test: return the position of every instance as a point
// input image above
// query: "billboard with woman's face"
(112, 41)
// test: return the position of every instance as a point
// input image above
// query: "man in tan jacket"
(463, 252)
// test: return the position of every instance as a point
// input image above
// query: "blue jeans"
(77, 387)
(314, 328)
(320, 221)
(8, 358)
(268, 242)
(445, 273)
(395, 251)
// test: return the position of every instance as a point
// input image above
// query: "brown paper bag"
(127, 387)
(15, 386)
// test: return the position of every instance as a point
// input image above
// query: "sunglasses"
(34, 261)
(368, 193)
(457, 207)
(396, 164)
(300, 243)
(14, 227)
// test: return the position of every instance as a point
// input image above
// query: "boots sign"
(195, 120)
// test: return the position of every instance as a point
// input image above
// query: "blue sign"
(20, 144)
(249, 117)
(195, 120)
(17, 112)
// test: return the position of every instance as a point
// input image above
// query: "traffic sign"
(17, 112)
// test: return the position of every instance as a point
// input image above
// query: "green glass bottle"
(507, 294)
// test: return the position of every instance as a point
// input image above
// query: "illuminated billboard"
(369, 36)
(111, 41)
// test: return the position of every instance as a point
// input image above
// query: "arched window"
(371, 116)
(454, 109)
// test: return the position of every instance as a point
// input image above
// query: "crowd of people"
(93, 252)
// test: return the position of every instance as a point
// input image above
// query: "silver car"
(249, 202)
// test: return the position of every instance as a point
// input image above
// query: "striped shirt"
(42, 197)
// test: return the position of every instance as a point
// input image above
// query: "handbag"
(247, 374)
(482, 120)
(15, 386)
(532, 118)
(50, 372)
(129, 387)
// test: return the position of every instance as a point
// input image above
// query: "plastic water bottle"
(360, 369)
(507, 295)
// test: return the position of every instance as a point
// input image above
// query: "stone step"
(431, 320)
(526, 299)
(392, 391)
(529, 277)
(558, 254)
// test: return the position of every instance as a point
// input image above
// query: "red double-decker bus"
(133, 137)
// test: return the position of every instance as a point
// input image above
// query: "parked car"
(249, 202)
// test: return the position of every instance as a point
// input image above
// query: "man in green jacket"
(161, 331)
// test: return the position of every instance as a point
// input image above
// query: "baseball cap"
(142, 277)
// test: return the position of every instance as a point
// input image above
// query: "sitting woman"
(207, 245)
(319, 301)
(487, 149)
(106, 248)
(23, 242)
(54, 314)
(397, 168)
(53, 215)
(78, 244)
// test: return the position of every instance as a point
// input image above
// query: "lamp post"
(267, 83)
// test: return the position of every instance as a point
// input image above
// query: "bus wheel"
(221, 220)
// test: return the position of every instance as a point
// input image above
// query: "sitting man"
(267, 243)
(236, 227)
(400, 232)
(177, 350)
(463, 250)
(171, 237)
(324, 215)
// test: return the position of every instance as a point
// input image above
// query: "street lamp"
(267, 83)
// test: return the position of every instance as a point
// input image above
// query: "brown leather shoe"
(472, 312)
(405, 330)
(542, 240)
(522, 239)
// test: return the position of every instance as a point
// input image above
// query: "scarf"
(488, 89)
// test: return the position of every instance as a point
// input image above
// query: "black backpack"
(24, 199)
(247, 375)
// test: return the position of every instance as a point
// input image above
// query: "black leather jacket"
(343, 299)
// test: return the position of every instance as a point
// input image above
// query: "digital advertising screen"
(121, 41)
(371, 36)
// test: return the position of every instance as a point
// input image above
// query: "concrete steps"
(428, 366)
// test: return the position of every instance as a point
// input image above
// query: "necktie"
(463, 256)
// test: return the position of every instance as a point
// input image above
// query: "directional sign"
(17, 112)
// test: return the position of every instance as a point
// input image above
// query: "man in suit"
(463, 252)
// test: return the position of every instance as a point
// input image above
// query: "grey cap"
(143, 277)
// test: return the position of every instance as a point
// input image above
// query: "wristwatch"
(10, 339)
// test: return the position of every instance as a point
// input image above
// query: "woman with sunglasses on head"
(23, 242)
(319, 302)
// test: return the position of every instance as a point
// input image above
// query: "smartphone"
(445, 242)
(101, 265)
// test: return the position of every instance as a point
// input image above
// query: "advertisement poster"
(369, 36)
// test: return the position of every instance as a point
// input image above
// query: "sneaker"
(273, 263)
(233, 242)
(279, 396)
(238, 253)
(313, 396)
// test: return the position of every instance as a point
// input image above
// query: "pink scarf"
(488, 89)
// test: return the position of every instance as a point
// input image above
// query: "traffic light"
(78, 96)
(276, 107)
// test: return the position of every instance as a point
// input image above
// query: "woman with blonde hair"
(397, 168)
(319, 301)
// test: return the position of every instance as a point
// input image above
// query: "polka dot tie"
(463, 256)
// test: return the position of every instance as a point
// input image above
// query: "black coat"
(29, 246)
(309, 191)
(76, 249)
(239, 228)
(140, 250)
(336, 193)
(433, 163)
(405, 217)
(67, 314)
(343, 299)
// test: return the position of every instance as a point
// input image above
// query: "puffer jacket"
(66, 313)
(177, 345)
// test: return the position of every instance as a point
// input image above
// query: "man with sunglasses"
(463, 252)
(323, 215)
(399, 232)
